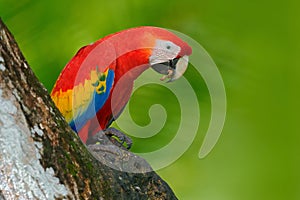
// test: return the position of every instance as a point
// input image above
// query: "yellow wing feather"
(73, 102)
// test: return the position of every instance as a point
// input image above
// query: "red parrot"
(96, 84)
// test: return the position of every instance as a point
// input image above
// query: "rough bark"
(42, 158)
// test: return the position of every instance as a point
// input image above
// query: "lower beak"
(180, 68)
(173, 69)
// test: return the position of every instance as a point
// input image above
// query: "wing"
(83, 101)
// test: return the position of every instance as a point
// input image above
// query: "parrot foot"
(111, 135)
(118, 138)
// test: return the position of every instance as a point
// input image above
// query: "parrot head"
(169, 58)
(169, 54)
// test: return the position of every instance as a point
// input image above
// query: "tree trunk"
(42, 158)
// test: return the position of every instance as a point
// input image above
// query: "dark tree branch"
(42, 158)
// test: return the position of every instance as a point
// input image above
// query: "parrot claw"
(110, 135)
(169, 75)
(118, 138)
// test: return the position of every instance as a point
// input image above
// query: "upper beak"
(173, 69)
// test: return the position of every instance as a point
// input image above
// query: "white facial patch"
(163, 52)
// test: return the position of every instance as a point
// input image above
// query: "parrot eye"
(168, 45)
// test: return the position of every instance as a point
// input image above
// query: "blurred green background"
(254, 43)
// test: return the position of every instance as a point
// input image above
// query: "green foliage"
(254, 44)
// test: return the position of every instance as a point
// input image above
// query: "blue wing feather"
(96, 103)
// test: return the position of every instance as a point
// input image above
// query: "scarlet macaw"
(84, 90)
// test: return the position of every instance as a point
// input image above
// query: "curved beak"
(173, 69)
